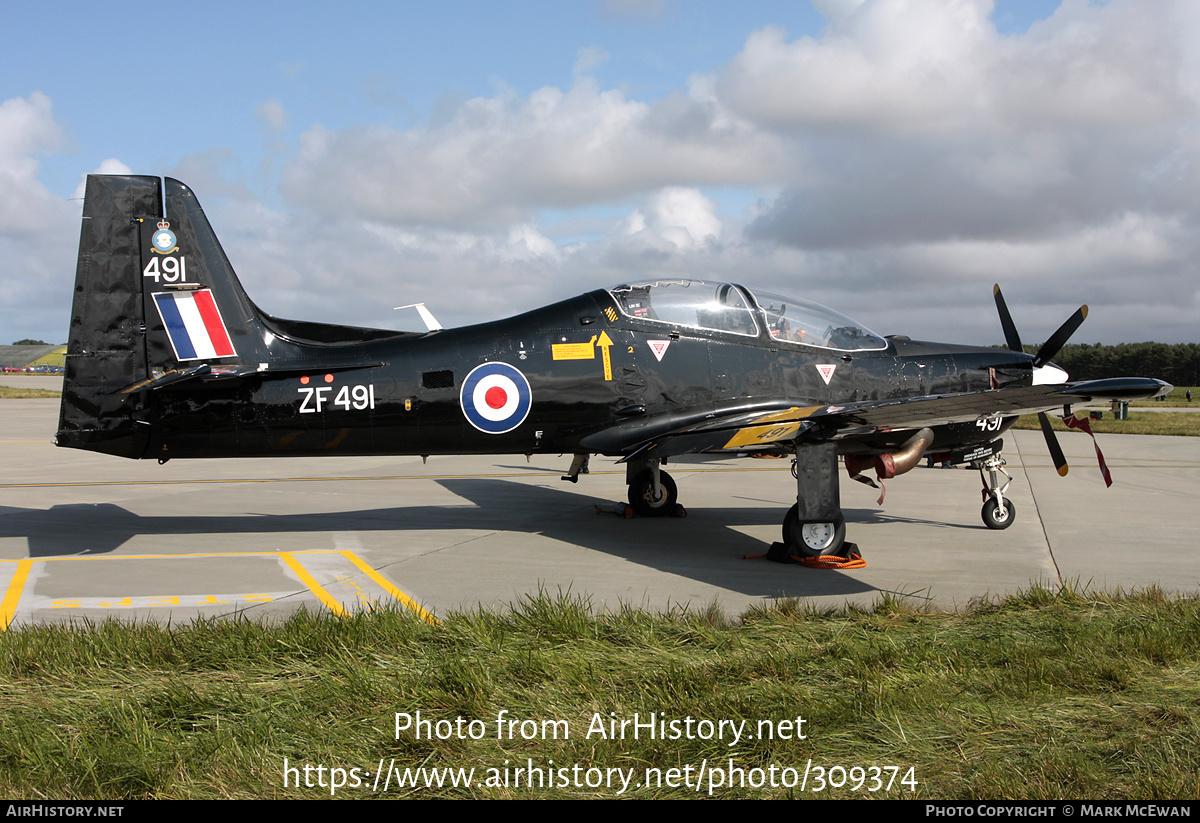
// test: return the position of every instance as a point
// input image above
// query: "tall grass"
(1047, 694)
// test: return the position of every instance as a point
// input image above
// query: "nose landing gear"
(653, 493)
(997, 513)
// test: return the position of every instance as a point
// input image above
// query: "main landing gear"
(997, 513)
(813, 538)
(815, 526)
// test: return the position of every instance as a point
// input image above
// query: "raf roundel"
(495, 397)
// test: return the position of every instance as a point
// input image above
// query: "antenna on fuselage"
(431, 322)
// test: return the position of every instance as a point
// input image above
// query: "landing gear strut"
(815, 525)
(997, 513)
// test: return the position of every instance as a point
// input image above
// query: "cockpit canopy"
(726, 307)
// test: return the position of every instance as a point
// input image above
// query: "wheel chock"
(621, 510)
(782, 553)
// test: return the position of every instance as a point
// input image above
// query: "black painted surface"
(296, 388)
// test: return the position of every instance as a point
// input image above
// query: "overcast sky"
(889, 158)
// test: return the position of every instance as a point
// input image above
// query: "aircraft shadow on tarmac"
(706, 546)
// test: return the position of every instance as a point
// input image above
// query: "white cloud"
(917, 122)
(684, 218)
(920, 156)
(499, 159)
(27, 130)
(272, 115)
(932, 66)
(109, 166)
(588, 59)
(38, 230)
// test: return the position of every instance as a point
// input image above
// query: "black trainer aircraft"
(168, 358)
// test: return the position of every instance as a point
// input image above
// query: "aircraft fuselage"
(642, 373)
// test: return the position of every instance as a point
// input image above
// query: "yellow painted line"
(8, 607)
(98, 558)
(313, 586)
(679, 467)
(220, 481)
(387, 586)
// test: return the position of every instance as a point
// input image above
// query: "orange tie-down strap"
(781, 554)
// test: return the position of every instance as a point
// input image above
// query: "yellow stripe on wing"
(771, 428)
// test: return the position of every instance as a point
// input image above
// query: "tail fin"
(155, 296)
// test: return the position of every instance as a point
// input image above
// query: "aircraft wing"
(741, 429)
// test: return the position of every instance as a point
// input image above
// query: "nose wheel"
(998, 514)
(649, 499)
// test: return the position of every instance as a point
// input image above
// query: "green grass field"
(1176, 399)
(1044, 695)
(55, 358)
(1165, 423)
(14, 393)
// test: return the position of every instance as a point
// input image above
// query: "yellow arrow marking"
(604, 342)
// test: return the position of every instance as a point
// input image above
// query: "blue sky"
(203, 76)
(890, 159)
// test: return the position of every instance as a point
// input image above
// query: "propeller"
(1056, 452)
(1059, 338)
(1045, 354)
(1006, 322)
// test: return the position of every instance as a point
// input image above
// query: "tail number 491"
(169, 269)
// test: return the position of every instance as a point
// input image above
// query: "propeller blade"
(1059, 338)
(1056, 452)
(1006, 322)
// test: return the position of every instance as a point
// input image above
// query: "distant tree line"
(1177, 363)
(28, 341)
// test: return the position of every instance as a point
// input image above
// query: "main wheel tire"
(991, 515)
(813, 539)
(641, 495)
